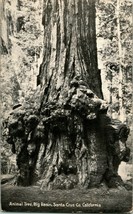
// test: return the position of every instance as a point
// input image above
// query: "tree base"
(67, 148)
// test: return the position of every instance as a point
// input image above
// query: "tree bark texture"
(69, 141)
(69, 47)
(69, 77)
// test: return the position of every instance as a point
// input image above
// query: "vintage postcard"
(66, 109)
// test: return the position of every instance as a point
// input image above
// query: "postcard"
(66, 106)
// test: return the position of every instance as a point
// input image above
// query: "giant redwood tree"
(68, 141)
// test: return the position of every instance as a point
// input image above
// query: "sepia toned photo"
(66, 106)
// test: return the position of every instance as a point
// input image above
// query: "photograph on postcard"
(66, 106)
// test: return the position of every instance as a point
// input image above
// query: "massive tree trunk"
(64, 142)
(69, 77)
(69, 48)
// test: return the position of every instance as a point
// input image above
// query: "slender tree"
(121, 108)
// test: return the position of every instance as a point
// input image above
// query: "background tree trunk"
(121, 76)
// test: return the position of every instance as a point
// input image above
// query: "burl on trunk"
(68, 141)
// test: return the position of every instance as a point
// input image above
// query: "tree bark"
(64, 143)
(68, 72)
(69, 48)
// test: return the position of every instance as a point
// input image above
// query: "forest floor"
(94, 200)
